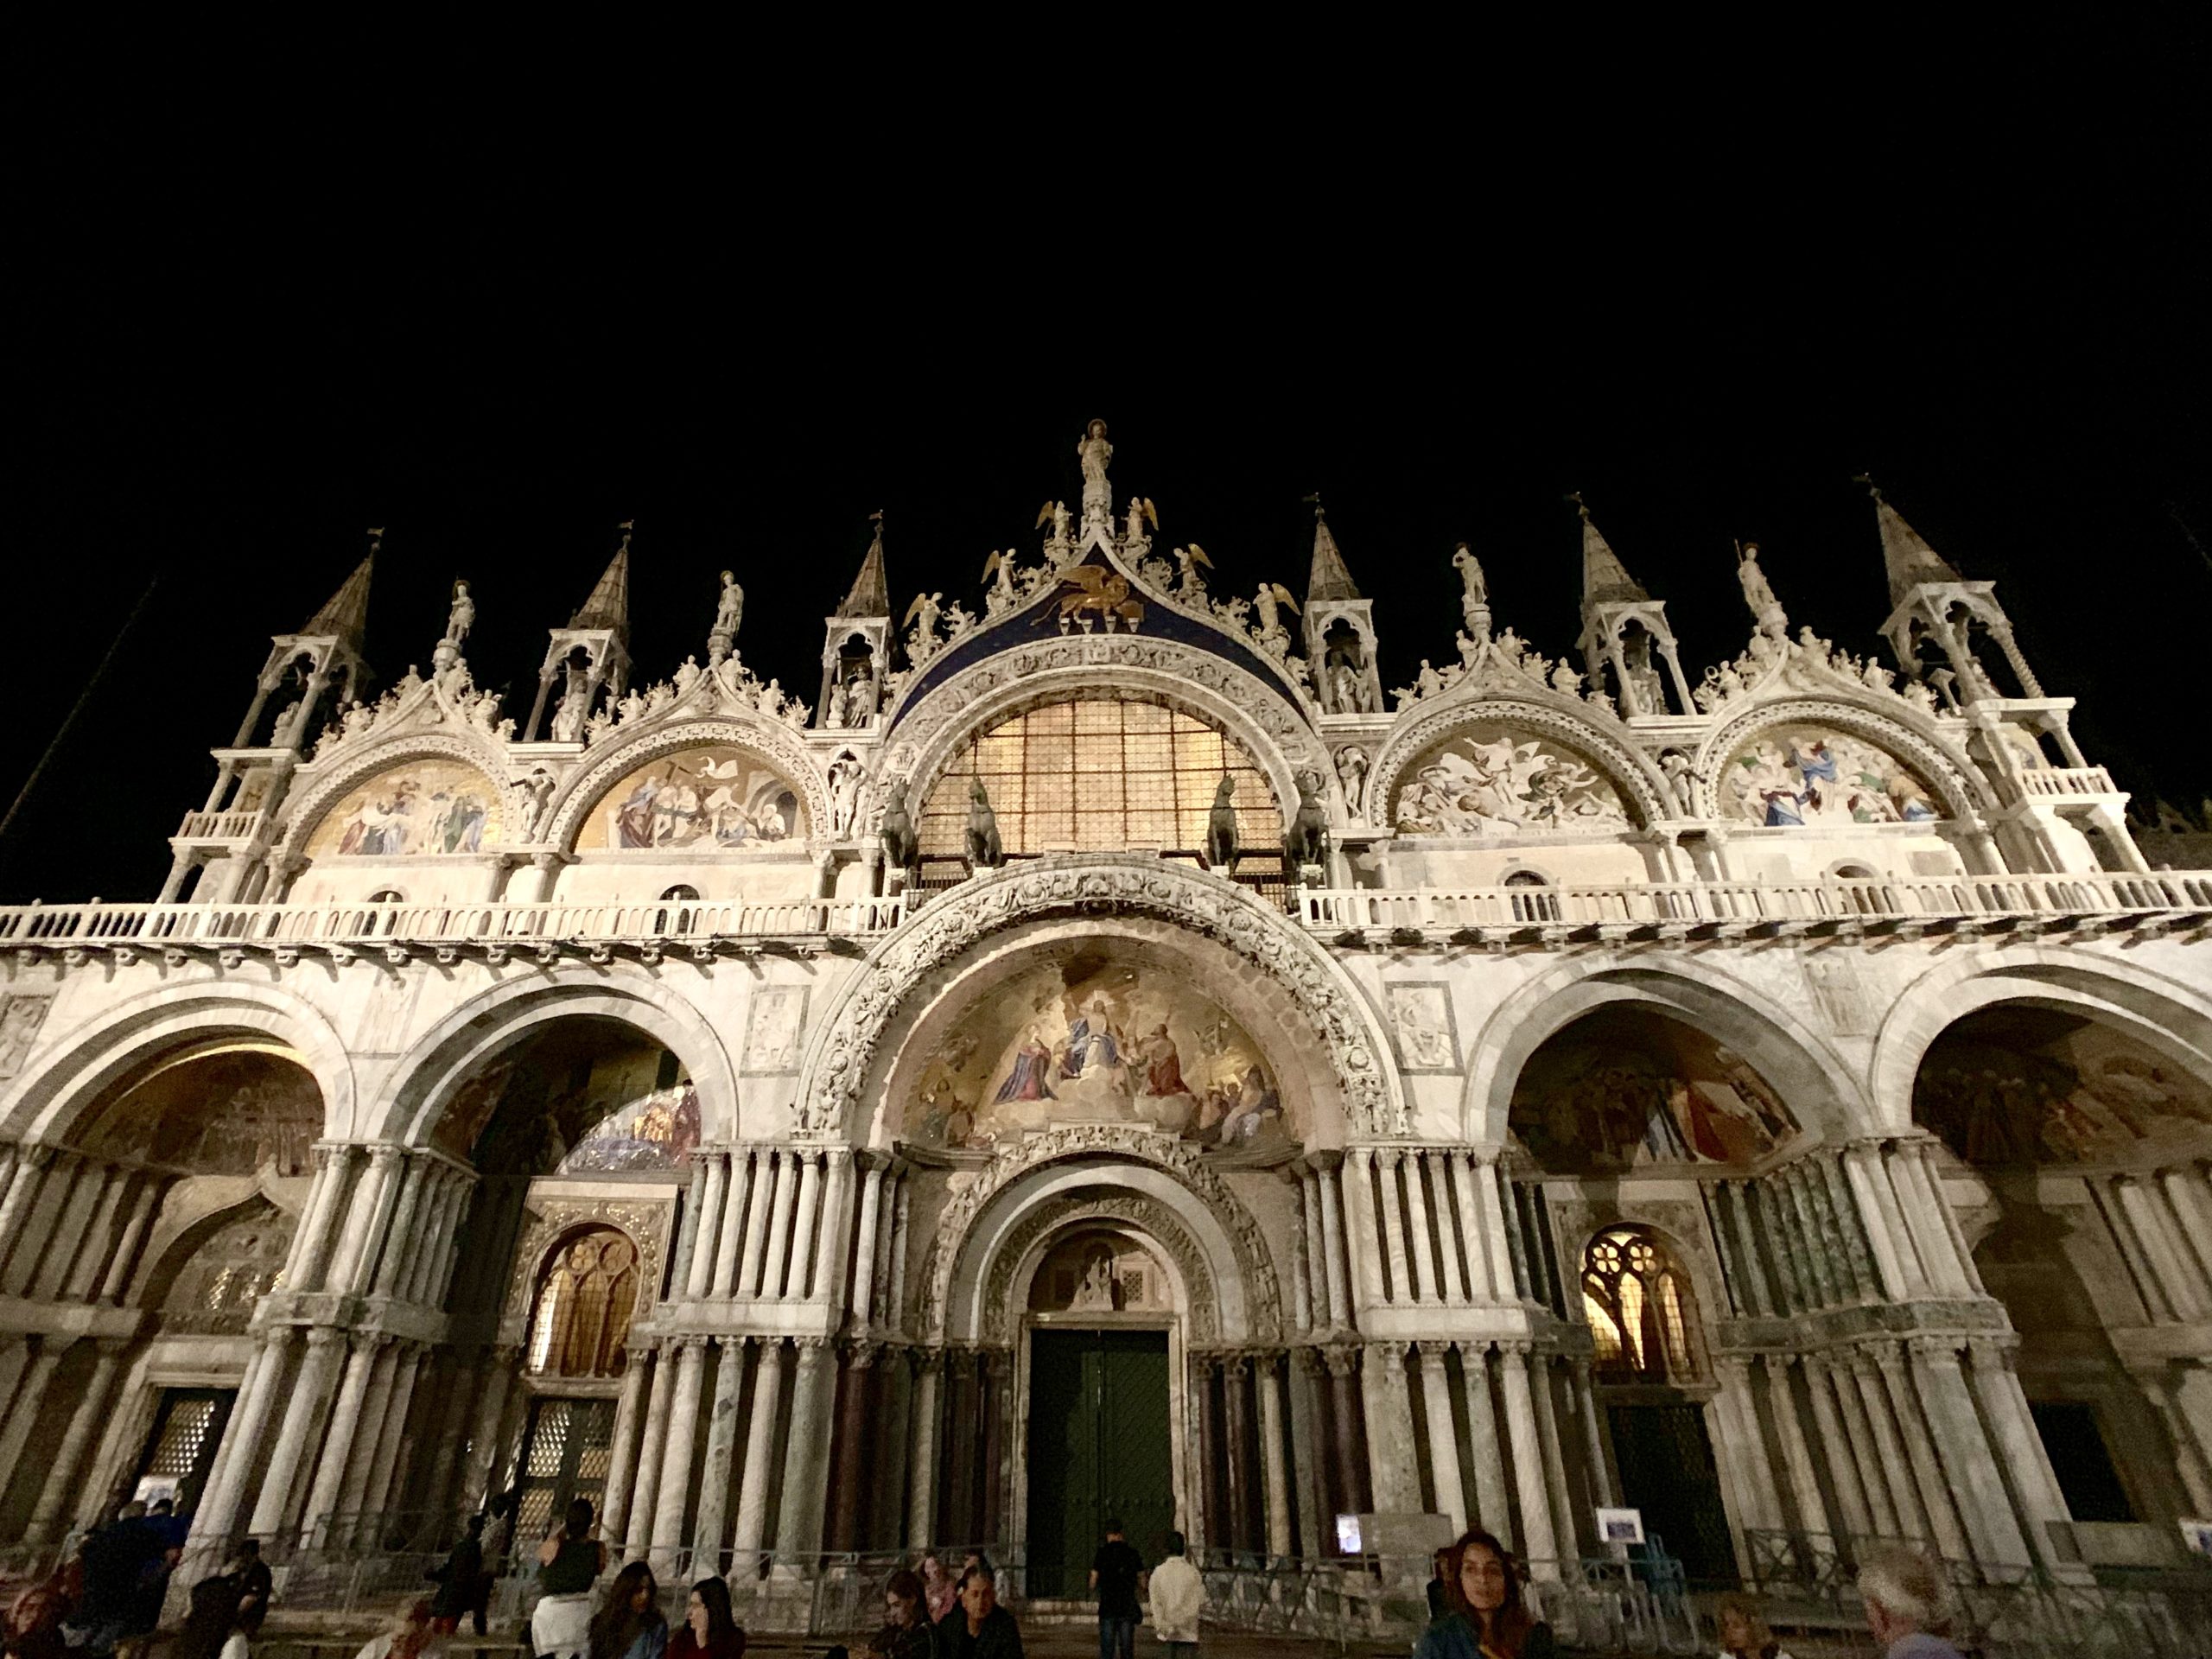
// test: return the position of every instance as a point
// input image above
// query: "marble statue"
(1093, 452)
(1141, 511)
(1095, 1293)
(858, 696)
(462, 615)
(1187, 561)
(729, 611)
(1766, 609)
(1269, 602)
(984, 849)
(845, 777)
(1474, 596)
(575, 706)
(1221, 827)
(1351, 776)
(923, 613)
(1565, 680)
(998, 570)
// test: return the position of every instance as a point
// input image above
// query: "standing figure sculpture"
(575, 706)
(846, 777)
(1221, 828)
(984, 850)
(1474, 596)
(1766, 610)
(1093, 452)
(1351, 776)
(461, 617)
(729, 611)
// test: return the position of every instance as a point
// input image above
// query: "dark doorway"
(182, 1449)
(1668, 1473)
(1098, 1450)
(571, 1446)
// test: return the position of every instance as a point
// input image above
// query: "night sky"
(1704, 294)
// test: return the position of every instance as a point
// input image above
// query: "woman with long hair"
(710, 1630)
(569, 1564)
(936, 1587)
(1488, 1619)
(908, 1631)
(628, 1625)
(1743, 1634)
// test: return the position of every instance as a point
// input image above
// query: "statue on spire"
(1474, 597)
(461, 616)
(1093, 452)
(1766, 610)
(729, 611)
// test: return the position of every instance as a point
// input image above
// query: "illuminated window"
(1638, 1306)
(240, 1262)
(1100, 775)
(589, 1289)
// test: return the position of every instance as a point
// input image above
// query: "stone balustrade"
(222, 826)
(2070, 782)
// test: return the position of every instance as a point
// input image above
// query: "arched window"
(585, 1298)
(1533, 898)
(239, 1264)
(387, 896)
(1100, 774)
(1638, 1306)
(681, 894)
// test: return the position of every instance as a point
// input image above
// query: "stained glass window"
(1638, 1306)
(1100, 775)
(582, 1325)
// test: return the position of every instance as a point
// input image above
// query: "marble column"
(994, 1372)
(303, 1429)
(2162, 1245)
(22, 1414)
(1880, 1227)
(850, 1453)
(1309, 1293)
(94, 1255)
(365, 1219)
(1836, 1446)
(1896, 1470)
(1755, 1469)
(241, 1451)
(1976, 1485)
(1443, 1438)
(1916, 1204)
(388, 1471)
(710, 1527)
(1553, 1446)
(805, 1243)
(1586, 1407)
(1417, 1240)
(1457, 1182)
(652, 1451)
(1387, 1161)
(1363, 1236)
(673, 1497)
(143, 1203)
(1493, 1508)
(1538, 1543)
(1332, 1248)
(1272, 1475)
(806, 1471)
(700, 1277)
(767, 1193)
(400, 1242)
(901, 1228)
(26, 1172)
(1307, 1455)
(2005, 1406)
(834, 1240)
(324, 1496)
(34, 1226)
(1342, 1361)
(1483, 1173)
(50, 1515)
(864, 1248)
(1920, 1451)
(1393, 1480)
(352, 1502)
(781, 1246)
(622, 1452)
(498, 1379)
(921, 1496)
(1866, 1457)
(1796, 1456)
(2192, 1203)
(731, 1240)
(756, 1487)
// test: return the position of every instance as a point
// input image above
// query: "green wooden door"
(1668, 1472)
(1098, 1450)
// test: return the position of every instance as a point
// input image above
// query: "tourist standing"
(1906, 1605)
(710, 1630)
(979, 1628)
(1743, 1634)
(1114, 1572)
(569, 1564)
(1488, 1618)
(628, 1625)
(1178, 1596)
(457, 1580)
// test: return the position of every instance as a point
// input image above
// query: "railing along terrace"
(237, 824)
(221, 925)
(1881, 902)
(2066, 780)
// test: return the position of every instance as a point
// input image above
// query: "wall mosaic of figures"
(1625, 1088)
(233, 1111)
(416, 809)
(1487, 779)
(1794, 776)
(1091, 1039)
(716, 796)
(575, 1103)
(2016, 1087)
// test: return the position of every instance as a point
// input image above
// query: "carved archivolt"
(1258, 714)
(1638, 781)
(839, 1063)
(646, 1221)
(771, 739)
(1255, 1268)
(306, 810)
(1947, 772)
(1145, 1214)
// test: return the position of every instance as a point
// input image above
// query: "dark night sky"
(1705, 291)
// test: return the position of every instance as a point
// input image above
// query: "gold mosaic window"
(1638, 1307)
(1100, 774)
(581, 1326)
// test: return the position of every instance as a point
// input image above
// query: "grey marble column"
(731, 1239)
(1393, 1480)
(1334, 1273)
(2026, 1460)
(144, 1201)
(710, 1527)
(390, 1469)
(1548, 1440)
(303, 1429)
(864, 1246)
(622, 1453)
(767, 1184)
(366, 1219)
(1920, 1453)
(50, 1515)
(1896, 1472)
(1305, 1455)
(497, 1375)
(1363, 1236)
(1586, 1408)
(1418, 1244)
(1386, 1159)
(1796, 1456)
(241, 1451)
(1858, 1443)
(401, 1244)
(1493, 1508)
(700, 1278)
(776, 1263)
(1977, 1487)
(921, 1496)
(674, 1495)
(94, 1255)
(1490, 1201)
(806, 1467)
(354, 1490)
(1236, 1386)
(1538, 1543)
(805, 1232)
(652, 1448)
(1843, 1467)
(1861, 1171)
(1755, 1472)
(1443, 1438)
(757, 1482)
(324, 1495)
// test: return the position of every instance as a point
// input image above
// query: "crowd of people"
(110, 1596)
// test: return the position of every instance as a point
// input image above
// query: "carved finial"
(1575, 496)
(376, 538)
(1873, 488)
(626, 527)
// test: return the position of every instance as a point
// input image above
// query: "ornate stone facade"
(1776, 1104)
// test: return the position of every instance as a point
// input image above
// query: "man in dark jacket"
(1114, 1573)
(977, 1627)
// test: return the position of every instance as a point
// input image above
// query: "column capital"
(863, 1355)
(1431, 1348)
(927, 1360)
(1474, 1350)
(811, 1345)
(322, 1336)
(1390, 1353)
(1997, 1353)
(1515, 1347)
(1778, 1364)
(686, 1342)
(365, 1342)
(1341, 1358)
(1308, 1360)
(385, 1154)
(1935, 1350)
(1734, 1367)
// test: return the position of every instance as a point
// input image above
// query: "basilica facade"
(1106, 1051)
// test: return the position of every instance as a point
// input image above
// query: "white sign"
(1348, 1541)
(1621, 1526)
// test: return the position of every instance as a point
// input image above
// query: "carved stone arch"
(1678, 1226)
(1136, 1214)
(843, 1061)
(1960, 786)
(72, 1068)
(622, 754)
(425, 1079)
(169, 1258)
(646, 1220)
(977, 1224)
(2165, 1015)
(1820, 1088)
(1272, 729)
(307, 809)
(1640, 782)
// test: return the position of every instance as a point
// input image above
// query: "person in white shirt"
(1178, 1595)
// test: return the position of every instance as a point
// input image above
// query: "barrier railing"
(2066, 780)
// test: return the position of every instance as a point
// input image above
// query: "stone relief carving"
(768, 738)
(1197, 903)
(1957, 787)
(647, 1221)
(1147, 1215)
(1626, 768)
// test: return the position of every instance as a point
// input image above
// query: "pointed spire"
(871, 594)
(1905, 554)
(1605, 580)
(1329, 578)
(608, 607)
(347, 612)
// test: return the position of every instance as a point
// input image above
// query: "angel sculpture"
(1054, 513)
(1000, 565)
(1188, 559)
(1271, 596)
(928, 608)
(1141, 511)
